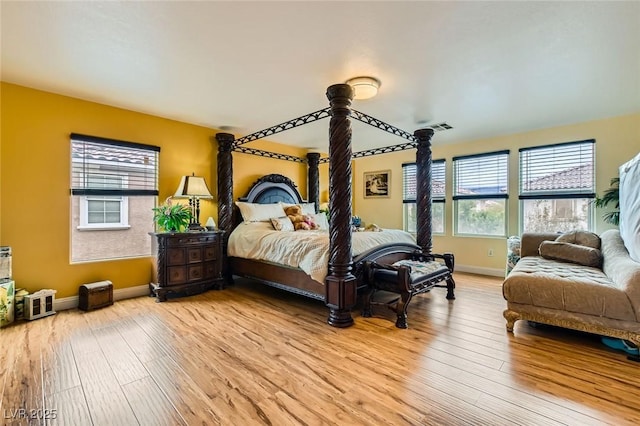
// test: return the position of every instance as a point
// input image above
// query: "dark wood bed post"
(423, 189)
(225, 191)
(341, 288)
(313, 179)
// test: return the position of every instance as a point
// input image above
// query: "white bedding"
(307, 250)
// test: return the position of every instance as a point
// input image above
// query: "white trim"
(84, 213)
(143, 290)
(131, 292)
(494, 272)
(103, 227)
(118, 294)
(405, 218)
(456, 218)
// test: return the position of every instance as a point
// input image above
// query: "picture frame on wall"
(377, 184)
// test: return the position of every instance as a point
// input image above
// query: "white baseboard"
(118, 294)
(494, 272)
(143, 290)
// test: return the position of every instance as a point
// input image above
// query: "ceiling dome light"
(364, 87)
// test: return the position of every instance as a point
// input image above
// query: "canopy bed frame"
(345, 274)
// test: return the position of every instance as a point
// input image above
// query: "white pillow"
(282, 224)
(307, 208)
(630, 206)
(321, 220)
(254, 212)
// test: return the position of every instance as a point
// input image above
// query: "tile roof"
(580, 177)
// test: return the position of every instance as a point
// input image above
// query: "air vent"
(440, 127)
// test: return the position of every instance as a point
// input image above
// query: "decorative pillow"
(282, 224)
(568, 252)
(583, 238)
(321, 220)
(254, 212)
(307, 208)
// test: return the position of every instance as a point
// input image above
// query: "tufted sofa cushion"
(566, 286)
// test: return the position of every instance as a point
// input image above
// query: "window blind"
(481, 176)
(101, 166)
(558, 171)
(409, 171)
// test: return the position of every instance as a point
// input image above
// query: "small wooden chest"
(95, 295)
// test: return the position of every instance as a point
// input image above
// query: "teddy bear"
(373, 228)
(310, 222)
(299, 220)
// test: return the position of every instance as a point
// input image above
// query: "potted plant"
(611, 195)
(172, 217)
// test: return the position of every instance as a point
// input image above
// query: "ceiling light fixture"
(364, 87)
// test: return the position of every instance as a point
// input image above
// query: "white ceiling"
(486, 68)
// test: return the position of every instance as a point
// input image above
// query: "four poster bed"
(348, 255)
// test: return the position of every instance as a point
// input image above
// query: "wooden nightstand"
(188, 262)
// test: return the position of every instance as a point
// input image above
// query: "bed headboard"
(269, 189)
(273, 188)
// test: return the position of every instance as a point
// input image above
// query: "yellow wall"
(617, 140)
(248, 168)
(35, 180)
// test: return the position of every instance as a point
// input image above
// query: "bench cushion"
(422, 270)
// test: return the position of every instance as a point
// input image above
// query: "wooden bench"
(408, 277)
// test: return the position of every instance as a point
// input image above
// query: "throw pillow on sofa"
(569, 252)
(583, 238)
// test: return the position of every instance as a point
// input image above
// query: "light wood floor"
(254, 355)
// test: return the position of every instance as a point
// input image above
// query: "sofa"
(601, 299)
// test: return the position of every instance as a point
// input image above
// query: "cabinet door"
(194, 254)
(195, 272)
(176, 275)
(210, 270)
(210, 253)
(176, 256)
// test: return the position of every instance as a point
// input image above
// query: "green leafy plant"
(172, 217)
(611, 196)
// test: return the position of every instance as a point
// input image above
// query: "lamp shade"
(210, 224)
(193, 186)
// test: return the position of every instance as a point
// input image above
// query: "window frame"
(85, 225)
(573, 194)
(500, 180)
(439, 197)
(110, 170)
(123, 222)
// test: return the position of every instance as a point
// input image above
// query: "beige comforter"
(307, 250)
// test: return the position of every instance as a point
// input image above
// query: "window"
(480, 193)
(103, 212)
(557, 184)
(114, 185)
(437, 196)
